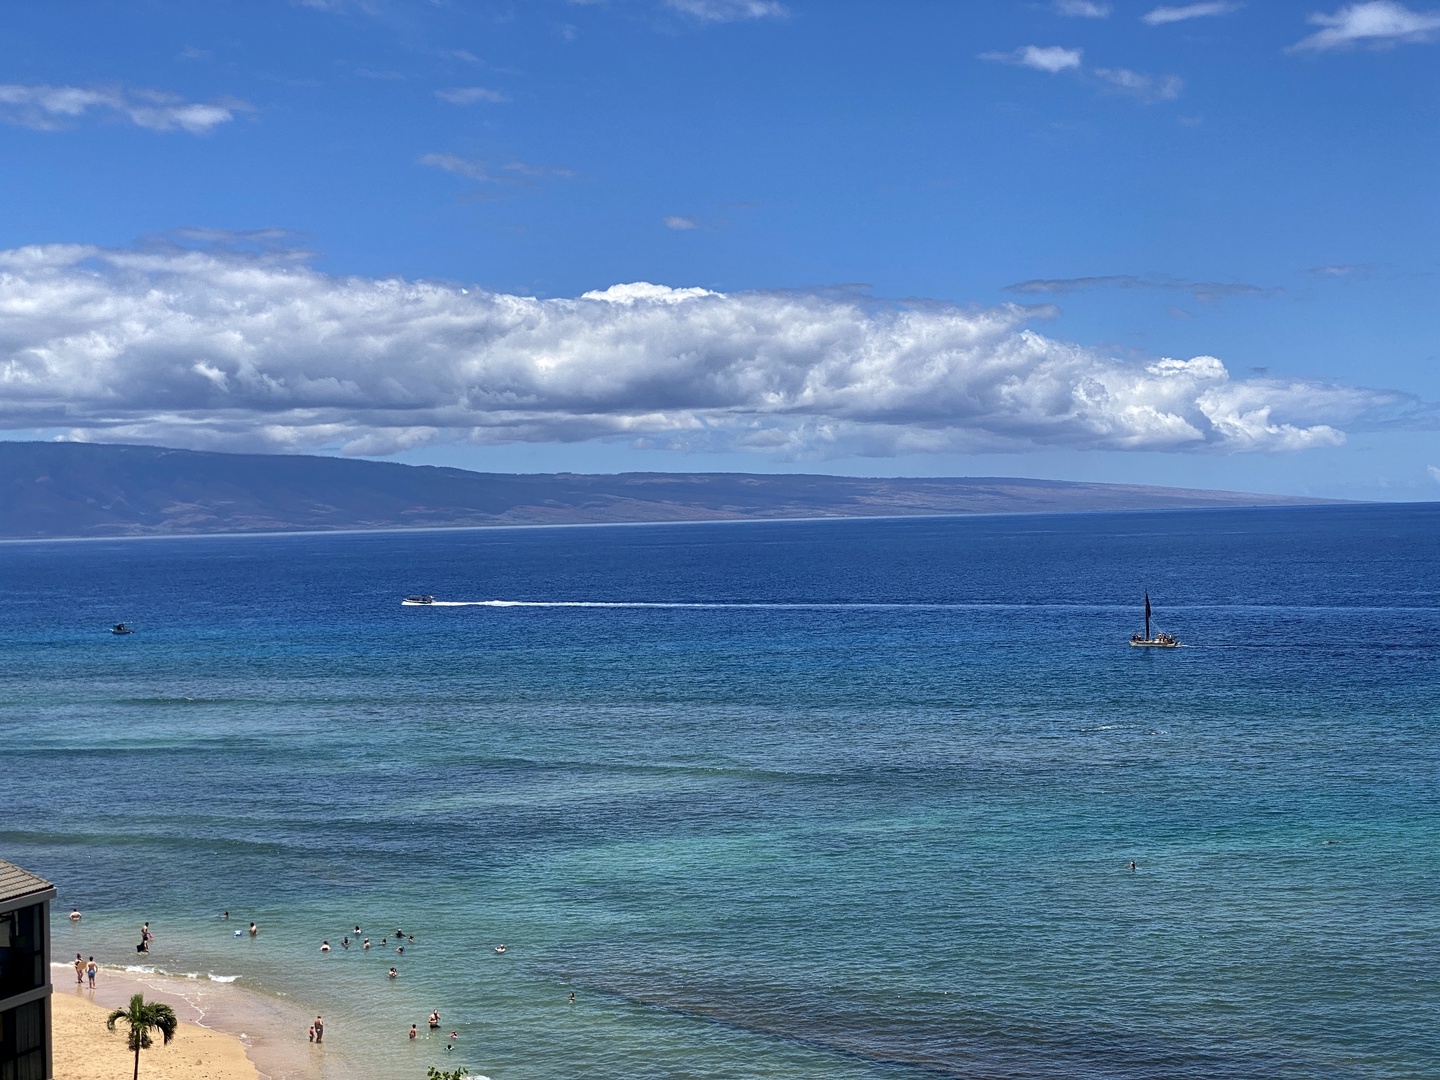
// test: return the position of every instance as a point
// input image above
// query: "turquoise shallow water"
(863, 809)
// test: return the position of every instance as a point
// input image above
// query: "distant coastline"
(81, 490)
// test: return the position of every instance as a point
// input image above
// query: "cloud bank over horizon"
(226, 351)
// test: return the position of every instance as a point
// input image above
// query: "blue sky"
(1190, 244)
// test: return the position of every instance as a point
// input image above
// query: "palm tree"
(142, 1017)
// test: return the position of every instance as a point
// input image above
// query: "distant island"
(82, 489)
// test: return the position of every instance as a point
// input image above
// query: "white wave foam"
(223, 978)
(141, 969)
(686, 605)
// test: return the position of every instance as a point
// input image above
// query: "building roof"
(15, 883)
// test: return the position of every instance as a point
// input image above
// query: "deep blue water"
(866, 810)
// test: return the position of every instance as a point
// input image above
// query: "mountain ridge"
(63, 490)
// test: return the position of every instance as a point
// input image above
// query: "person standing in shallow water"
(90, 969)
(319, 1029)
(79, 969)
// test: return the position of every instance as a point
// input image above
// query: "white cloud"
(469, 95)
(48, 108)
(460, 166)
(728, 10)
(1161, 16)
(1048, 58)
(1379, 23)
(1434, 473)
(512, 172)
(1148, 88)
(202, 349)
(683, 224)
(1082, 9)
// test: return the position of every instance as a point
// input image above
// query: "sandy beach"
(225, 1033)
(86, 1050)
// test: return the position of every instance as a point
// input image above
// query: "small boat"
(121, 628)
(1160, 639)
(418, 601)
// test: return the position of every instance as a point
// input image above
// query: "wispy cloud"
(469, 95)
(717, 11)
(1048, 58)
(198, 349)
(1378, 23)
(1082, 9)
(1162, 16)
(1337, 269)
(460, 166)
(511, 172)
(48, 108)
(1434, 473)
(1208, 292)
(679, 223)
(530, 171)
(1147, 88)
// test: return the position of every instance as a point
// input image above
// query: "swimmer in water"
(75, 914)
(410, 938)
(1132, 866)
(345, 942)
(435, 1020)
(572, 997)
(325, 946)
(414, 1032)
(400, 949)
(254, 929)
(224, 914)
(394, 974)
(367, 943)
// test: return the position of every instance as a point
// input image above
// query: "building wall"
(25, 1048)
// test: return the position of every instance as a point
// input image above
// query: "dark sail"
(1147, 616)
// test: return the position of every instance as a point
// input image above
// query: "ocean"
(850, 799)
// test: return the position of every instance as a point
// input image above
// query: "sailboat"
(1161, 640)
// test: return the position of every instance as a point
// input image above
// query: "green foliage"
(453, 1074)
(143, 1017)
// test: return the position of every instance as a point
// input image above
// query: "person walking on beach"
(319, 1029)
(79, 969)
(90, 968)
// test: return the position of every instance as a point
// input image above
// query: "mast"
(1147, 616)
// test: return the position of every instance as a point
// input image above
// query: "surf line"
(693, 605)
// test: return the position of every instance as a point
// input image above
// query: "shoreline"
(268, 1033)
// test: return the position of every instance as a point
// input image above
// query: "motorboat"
(418, 601)
(121, 628)
(1159, 640)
